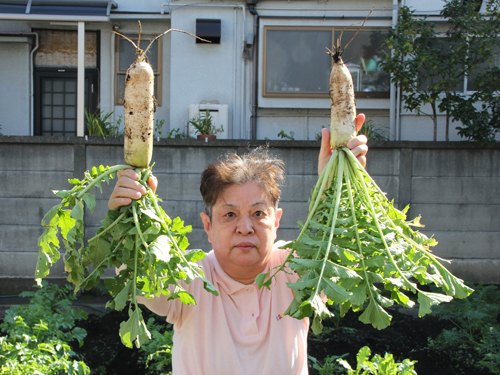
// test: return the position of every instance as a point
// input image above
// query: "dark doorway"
(56, 98)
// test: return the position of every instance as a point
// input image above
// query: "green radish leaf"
(375, 315)
(161, 248)
(47, 219)
(262, 280)
(74, 181)
(121, 299)
(335, 292)
(319, 307)
(99, 250)
(209, 287)
(184, 297)
(62, 193)
(428, 299)
(359, 294)
(151, 213)
(89, 200)
(195, 255)
(316, 325)
(78, 211)
(66, 222)
(402, 299)
(134, 329)
(456, 287)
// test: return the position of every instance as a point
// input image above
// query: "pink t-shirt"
(242, 331)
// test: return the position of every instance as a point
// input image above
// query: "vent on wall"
(219, 113)
(208, 29)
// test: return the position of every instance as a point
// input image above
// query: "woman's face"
(242, 230)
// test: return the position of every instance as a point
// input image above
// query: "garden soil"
(407, 337)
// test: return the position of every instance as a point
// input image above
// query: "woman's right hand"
(128, 188)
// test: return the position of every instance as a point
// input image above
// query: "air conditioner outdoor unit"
(219, 113)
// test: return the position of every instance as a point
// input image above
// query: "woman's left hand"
(357, 145)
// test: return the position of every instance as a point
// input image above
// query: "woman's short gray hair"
(258, 166)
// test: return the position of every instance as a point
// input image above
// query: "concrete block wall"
(454, 186)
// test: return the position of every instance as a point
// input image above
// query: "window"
(495, 61)
(440, 76)
(296, 62)
(126, 55)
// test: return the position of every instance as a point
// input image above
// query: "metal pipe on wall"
(393, 98)
(255, 61)
(80, 86)
(32, 84)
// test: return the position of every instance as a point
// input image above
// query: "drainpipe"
(32, 84)
(255, 57)
(398, 101)
(80, 86)
(393, 90)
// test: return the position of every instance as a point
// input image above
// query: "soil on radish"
(406, 337)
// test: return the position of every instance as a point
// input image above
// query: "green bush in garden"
(158, 350)
(376, 365)
(477, 321)
(37, 336)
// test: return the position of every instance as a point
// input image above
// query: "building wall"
(193, 73)
(454, 186)
(209, 72)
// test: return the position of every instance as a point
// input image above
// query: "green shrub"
(98, 124)
(158, 350)
(377, 365)
(38, 335)
(477, 329)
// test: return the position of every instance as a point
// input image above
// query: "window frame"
(335, 30)
(158, 73)
(479, 71)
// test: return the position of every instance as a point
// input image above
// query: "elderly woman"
(243, 330)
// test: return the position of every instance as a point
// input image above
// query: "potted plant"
(205, 126)
(98, 124)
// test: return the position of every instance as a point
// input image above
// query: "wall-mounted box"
(209, 29)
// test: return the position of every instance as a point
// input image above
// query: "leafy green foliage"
(284, 135)
(159, 348)
(204, 124)
(38, 335)
(141, 239)
(99, 124)
(477, 328)
(329, 366)
(159, 128)
(378, 365)
(354, 242)
(375, 132)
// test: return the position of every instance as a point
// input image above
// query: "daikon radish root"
(140, 105)
(139, 114)
(354, 242)
(343, 107)
(140, 239)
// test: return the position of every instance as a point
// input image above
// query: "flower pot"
(204, 136)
